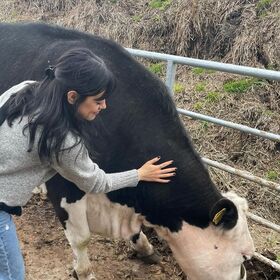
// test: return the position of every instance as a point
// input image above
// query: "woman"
(41, 134)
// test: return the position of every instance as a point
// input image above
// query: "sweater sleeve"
(76, 166)
(7, 94)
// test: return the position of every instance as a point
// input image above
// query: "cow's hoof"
(88, 277)
(151, 259)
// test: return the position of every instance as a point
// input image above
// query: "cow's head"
(218, 251)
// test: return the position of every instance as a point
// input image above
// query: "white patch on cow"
(95, 213)
(111, 219)
(143, 246)
(212, 253)
(78, 234)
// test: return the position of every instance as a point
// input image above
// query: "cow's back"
(25, 48)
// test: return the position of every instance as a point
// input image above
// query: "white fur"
(95, 213)
(212, 253)
(193, 247)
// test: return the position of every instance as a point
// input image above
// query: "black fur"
(140, 122)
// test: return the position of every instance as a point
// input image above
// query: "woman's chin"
(91, 117)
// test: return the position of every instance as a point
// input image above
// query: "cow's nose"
(243, 273)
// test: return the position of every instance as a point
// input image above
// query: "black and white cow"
(206, 231)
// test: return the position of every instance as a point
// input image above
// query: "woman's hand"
(151, 172)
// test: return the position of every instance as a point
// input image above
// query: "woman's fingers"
(162, 181)
(153, 172)
(167, 170)
(153, 160)
(166, 175)
(165, 164)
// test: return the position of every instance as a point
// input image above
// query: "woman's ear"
(72, 96)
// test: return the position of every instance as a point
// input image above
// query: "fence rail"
(172, 61)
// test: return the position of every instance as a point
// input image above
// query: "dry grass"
(238, 31)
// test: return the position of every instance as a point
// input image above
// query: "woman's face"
(91, 107)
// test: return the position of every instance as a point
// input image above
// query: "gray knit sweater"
(22, 171)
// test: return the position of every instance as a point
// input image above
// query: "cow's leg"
(78, 234)
(145, 250)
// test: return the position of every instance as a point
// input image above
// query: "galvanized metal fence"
(171, 62)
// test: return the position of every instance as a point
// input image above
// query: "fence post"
(170, 75)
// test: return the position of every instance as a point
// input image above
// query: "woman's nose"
(103, 105)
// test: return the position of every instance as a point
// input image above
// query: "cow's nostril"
(243, 274)
(245, 257)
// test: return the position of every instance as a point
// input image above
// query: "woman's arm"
(76, 166)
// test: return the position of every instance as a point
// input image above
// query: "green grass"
(178, 88)
(137, 18)
(198, 105)
(157, 68)
(240, 86)
(268, 113)
(160, 4)
(200, 71)
(213, 97)
(272, 175)
(200, 87)
(156, 17)
(263, 5)
(204, 125)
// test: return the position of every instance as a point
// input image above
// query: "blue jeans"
(11, 260)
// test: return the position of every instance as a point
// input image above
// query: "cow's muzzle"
(243, 273)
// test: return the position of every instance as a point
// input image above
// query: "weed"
(272, 175)
(200, 87)
(157, 68)
(213, 96)
(178, 88)
(160, 4)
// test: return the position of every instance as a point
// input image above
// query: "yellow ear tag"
(217, 218)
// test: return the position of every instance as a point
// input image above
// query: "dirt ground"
(48, 255)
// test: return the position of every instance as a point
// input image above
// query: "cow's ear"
(224, 213)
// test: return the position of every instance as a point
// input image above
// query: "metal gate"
(172, 61)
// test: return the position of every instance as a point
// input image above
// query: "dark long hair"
(50, 116)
